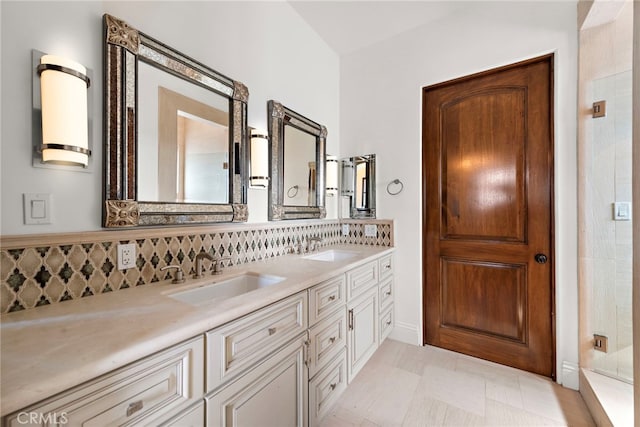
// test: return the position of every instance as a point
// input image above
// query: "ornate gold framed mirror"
(175, 135)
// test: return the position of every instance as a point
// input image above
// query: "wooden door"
(487, 215)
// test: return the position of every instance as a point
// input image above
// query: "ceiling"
(350, 25)
(347, 26)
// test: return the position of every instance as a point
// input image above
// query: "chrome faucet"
(199, 263)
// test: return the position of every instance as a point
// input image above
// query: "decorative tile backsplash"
(55, 269)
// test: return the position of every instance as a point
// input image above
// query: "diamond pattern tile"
(35, 276)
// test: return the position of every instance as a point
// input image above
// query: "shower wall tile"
(58, 268)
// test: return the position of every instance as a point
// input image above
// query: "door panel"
(483, 165)
(487, 209)
(488, 282)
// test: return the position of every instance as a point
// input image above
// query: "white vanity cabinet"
(148, 392)
(327, 346)
(369, 310)
(282, 365)
(257, 367)
(385, 297)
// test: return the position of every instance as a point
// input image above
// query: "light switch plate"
(622, 211)
(370, 230)
(345, 229)
(37, 208)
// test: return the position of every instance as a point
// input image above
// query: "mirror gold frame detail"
(124, 48)
(279, 116)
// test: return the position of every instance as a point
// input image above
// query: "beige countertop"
(50, 349)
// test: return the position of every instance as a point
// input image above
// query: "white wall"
(381, 113)
(265, 45)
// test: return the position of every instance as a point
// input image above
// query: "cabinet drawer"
(325, 298)
(191, 417)
(326, 388)
(153, 389)
(385, 264)
(386, 323)
(360, 279)
(238, 345)
(385, 297)
(327, 339)
(274, 393)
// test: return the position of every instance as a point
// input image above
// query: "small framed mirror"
(297, 164)
(175, 135)
(359, 186)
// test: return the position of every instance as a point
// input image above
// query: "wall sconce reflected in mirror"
(332, 175)
(61, 113)
(259, 159)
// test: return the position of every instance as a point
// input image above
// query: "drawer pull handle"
(332, 340)
(351, 320)
(388, 293)
(387, 267)
(333, 386)
(272, 331)
(134, 407)
(332, 298)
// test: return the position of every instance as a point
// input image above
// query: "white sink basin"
(228, 288)
(331, 255)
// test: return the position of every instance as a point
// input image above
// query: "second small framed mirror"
(359, 186)
(297, 165)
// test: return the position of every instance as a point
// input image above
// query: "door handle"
(540, 258)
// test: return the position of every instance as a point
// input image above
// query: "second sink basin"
(331, 255)
(228, 288)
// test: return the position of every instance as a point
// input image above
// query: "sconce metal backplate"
(36, 120)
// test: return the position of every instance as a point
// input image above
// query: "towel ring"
(295, 192)
(395, 182)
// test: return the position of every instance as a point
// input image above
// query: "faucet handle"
(179, 274)
(217, 268)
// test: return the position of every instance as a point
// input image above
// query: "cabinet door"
(362, 337)
(274, 394)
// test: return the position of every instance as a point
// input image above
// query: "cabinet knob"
(388, 293)
(272, 331)
(332, 298)
(333, 386)
(332, 340)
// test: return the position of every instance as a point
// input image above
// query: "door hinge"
(600, 342)
(599, 109)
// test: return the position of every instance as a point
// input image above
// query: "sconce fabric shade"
(259, 153)
(332, 174)
(65, 130)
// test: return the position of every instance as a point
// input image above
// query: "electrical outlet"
(345, 229)
(370, 230)
(126, 256)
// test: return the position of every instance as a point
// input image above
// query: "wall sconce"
(347, 178)
(332, 175)
(64, 115)
(259, 159)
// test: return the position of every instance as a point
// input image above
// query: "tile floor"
(406, 385)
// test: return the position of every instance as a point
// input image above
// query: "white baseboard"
(570, 375)
(407, 333)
